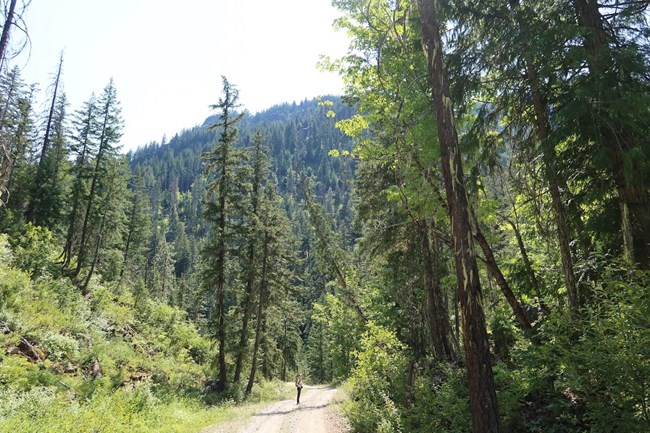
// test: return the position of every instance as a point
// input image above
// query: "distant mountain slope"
(299, 137)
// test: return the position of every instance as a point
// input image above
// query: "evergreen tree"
(274, 284)
(46, 201)
(137, 231)
(260, 173)
(221, 168)
(16, 139)
(108, 136)
(83, 146)
(13, 18)
(617, 78)
(110, 222)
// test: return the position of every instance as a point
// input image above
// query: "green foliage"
(442, 402)
(133, 409)
(18, 373)
(377, 382)
(33, 250)
(265, 390)
(535, 105)
(12, 281)
(60, 348)
(586, 376)
(53, 337)
(333, 339)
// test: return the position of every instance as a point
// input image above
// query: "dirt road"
(314, 414)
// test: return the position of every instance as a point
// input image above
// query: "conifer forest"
(460, 240)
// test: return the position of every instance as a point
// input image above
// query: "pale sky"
(167, 56)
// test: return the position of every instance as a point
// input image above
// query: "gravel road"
(315, 414)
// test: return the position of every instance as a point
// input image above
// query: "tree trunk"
(261, 312)
(329, 256)
(264, 345)
(77, 192)
(483, 402)
(84, 287)
(50, 116)
(527, 264)
(633, 194)
(129, 237)
(283, 369)
(100, 236)
(99, 160)
(243, 334)
(42, 173)
(81, 257)
(542, 130)
(495, 271)
(221, 293)
(439, 325)
(6, 29)
(7, 155)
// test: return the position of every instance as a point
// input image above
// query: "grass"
(135, 410)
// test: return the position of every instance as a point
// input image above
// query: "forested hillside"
(296, 139)
(134, 267)
(462, 240)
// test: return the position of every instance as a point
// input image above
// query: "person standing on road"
(298, 387)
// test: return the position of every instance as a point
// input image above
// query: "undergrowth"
(112, 361)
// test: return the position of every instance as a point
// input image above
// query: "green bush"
(271, 390)
(34, 251)
(60, 347)
(149, 354)
(17, 372)
(589, 374)
(377, 382)
(133, 409)
(11, 280)
(442, 401)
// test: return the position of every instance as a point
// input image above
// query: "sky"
(167, 57)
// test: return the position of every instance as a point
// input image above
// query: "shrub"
(17, 372)
(590, 374)
(34, 250)
(442, 401)
(377, 382)
(60, 347)
(271, 390)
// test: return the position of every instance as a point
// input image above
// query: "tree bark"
(243, 334)
(439, 325)
(261, 312)
(483, 402)
(6, 29)
(221, 293)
